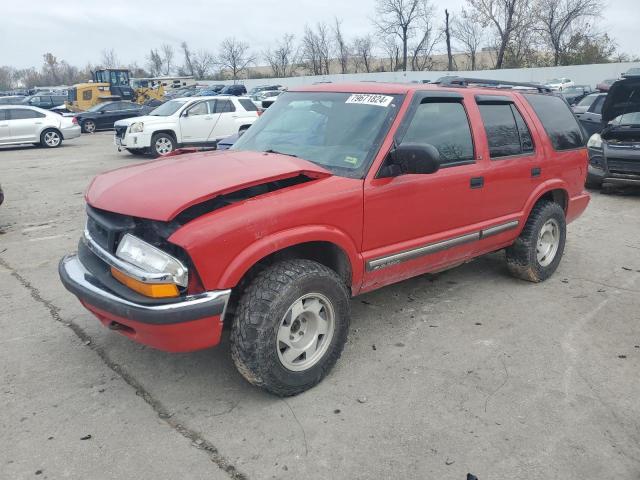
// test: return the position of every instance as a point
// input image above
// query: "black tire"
(522, 256)
(164, 138)
(136, 151)
(88, 126)
(265, 302)
(50, 138)
(593, 182)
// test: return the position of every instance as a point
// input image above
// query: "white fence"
(580, 74)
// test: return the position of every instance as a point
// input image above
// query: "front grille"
(106, 228)
(120, 131)
(620, 165)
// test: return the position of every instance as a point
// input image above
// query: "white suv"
(195, 121)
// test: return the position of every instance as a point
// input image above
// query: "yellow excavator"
(111, 84)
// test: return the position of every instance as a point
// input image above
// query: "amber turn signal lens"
(154, 290)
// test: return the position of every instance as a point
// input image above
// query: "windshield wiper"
(271, 150)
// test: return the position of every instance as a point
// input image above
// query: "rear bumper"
(192, 323)
(71, 132)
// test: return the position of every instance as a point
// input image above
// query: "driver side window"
(445, 126)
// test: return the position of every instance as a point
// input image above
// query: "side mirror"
(412, 158)
(185, 113)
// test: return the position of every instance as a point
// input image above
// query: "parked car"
(321, 199)
(12, 100)
(583, 105)
(574, 94)
(604, 85)
(268, 96)
(559, 84)
(103, 115)
(591, 120)
(227, 142)
(614, 153)
(23, 124)
(262, 88)
(632, 72)
(195, 121)
(237, 90)
(45, 101)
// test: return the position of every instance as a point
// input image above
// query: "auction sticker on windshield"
(370, 99)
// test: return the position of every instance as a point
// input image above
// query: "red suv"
(338, 189)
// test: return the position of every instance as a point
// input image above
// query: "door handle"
(477, 182)
(37, 123)
(536, 171)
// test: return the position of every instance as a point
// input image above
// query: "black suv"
(614, 153)
(236, 90)
(45, 101)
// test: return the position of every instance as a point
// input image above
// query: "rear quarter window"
(558, 121)
(248, 105)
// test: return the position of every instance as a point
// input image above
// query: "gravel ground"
(464, 371)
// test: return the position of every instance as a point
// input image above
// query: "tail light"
(74, 120)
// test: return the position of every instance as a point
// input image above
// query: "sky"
(78, 30)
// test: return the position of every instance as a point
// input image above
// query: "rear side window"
(23, 113)
(248, 105)
(507, 131)
(224, 106)
(445, 126)
(558, 121)
(3, 114)
(596, 106)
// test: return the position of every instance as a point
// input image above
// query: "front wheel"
(290, 327)
(50, 138)
(162, 144)
(536, 253)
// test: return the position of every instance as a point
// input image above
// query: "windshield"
(96, 107)
(632, 118)
(339, 131)
(168, 108)
(573, 90)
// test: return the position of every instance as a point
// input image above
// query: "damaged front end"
(614, 153)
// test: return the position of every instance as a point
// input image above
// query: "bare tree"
(362, 53)
(342, 49)
(283, 57)
(155, 63)
(316, 52)
(468, 31)
(109, 59)
(505, 17)
(558, 20)
(235, 56)
(392, 50)
(167, 57)
(447, 33)
(397, 18)
(202, 62)
(188, 64)
(428, 37)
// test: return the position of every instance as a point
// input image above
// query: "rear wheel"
(162, 144)
(50, 138)
(88, 126)
(290, 327)
(536, 253)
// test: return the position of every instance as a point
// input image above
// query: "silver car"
(25, 124)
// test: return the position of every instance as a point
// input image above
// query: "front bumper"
(614, 165)
(190, 323)
(71, 132)
(132, 140)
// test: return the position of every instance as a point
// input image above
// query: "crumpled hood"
(161, 189)
(623, 97)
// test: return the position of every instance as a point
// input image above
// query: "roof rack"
(483, 82)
